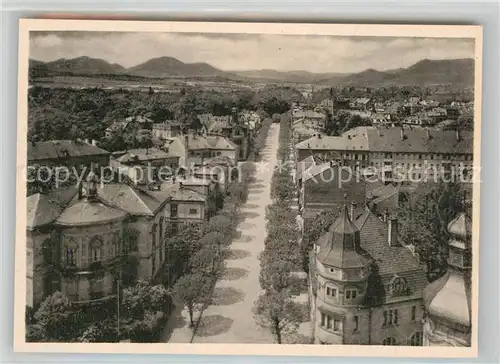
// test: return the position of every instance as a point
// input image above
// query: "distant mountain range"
(457, 72)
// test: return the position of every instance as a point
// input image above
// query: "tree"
(55, 316)
(275, 275)
(423, 221)
(277, 312)
(143, 310)
(142, 298)
(207, 261)
(102, 331)
(190, 291)
(312, 233)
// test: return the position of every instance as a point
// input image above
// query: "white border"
(430, 31)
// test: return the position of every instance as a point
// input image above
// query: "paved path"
(230, 318)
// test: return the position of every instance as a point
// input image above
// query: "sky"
(250, 52)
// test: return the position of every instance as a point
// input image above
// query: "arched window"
(389, 341)
(70, 256)
(70, 250)
(416, 339)
(96, 246)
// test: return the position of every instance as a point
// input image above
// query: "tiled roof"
(54, 149)
(314, 171)
(305, 164)
(220, 143)
(118, 126)
(178, 193)
(174, 147)
(416, 141)
(308, 114)
(129, 199)
(44, 209)
(85, 212)
(143, 154)
(357, 141)
(339, 247)
(390, 260)
(139, 119)
(362, 100)
(389, 140)
(200, 142)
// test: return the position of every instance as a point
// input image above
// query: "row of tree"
(198, 251)
(275, 308)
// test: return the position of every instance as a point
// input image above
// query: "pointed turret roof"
(449, 297)
(340, 246)
(461, 227)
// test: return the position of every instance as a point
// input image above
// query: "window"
(416, 339)
(350, 294)
(356, 323)
(70, 256)
(390, 317)
(413, 313)
(193, 211)
(389, 341)
(96, 249)
(174, 228)
(332, 270)
(332, 292)
(173, 210)
(96, 254)
(330, 323)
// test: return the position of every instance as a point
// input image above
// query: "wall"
(405, 327)
(329, 191)
(35, 267)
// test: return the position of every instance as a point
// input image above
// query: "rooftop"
(373, 139)
(85, 213)
(143, 154)
(54, 149)
(339, 247)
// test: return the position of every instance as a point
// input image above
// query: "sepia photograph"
(303, 188)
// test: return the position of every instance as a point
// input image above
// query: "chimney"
(457, 134)
(392, 235)
(353, 206)
(181, 186)
(402, 133)
(94, 142)
(429, 136)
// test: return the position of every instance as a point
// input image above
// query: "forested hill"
(61, 113)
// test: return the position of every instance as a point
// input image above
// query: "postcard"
(248, 188)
